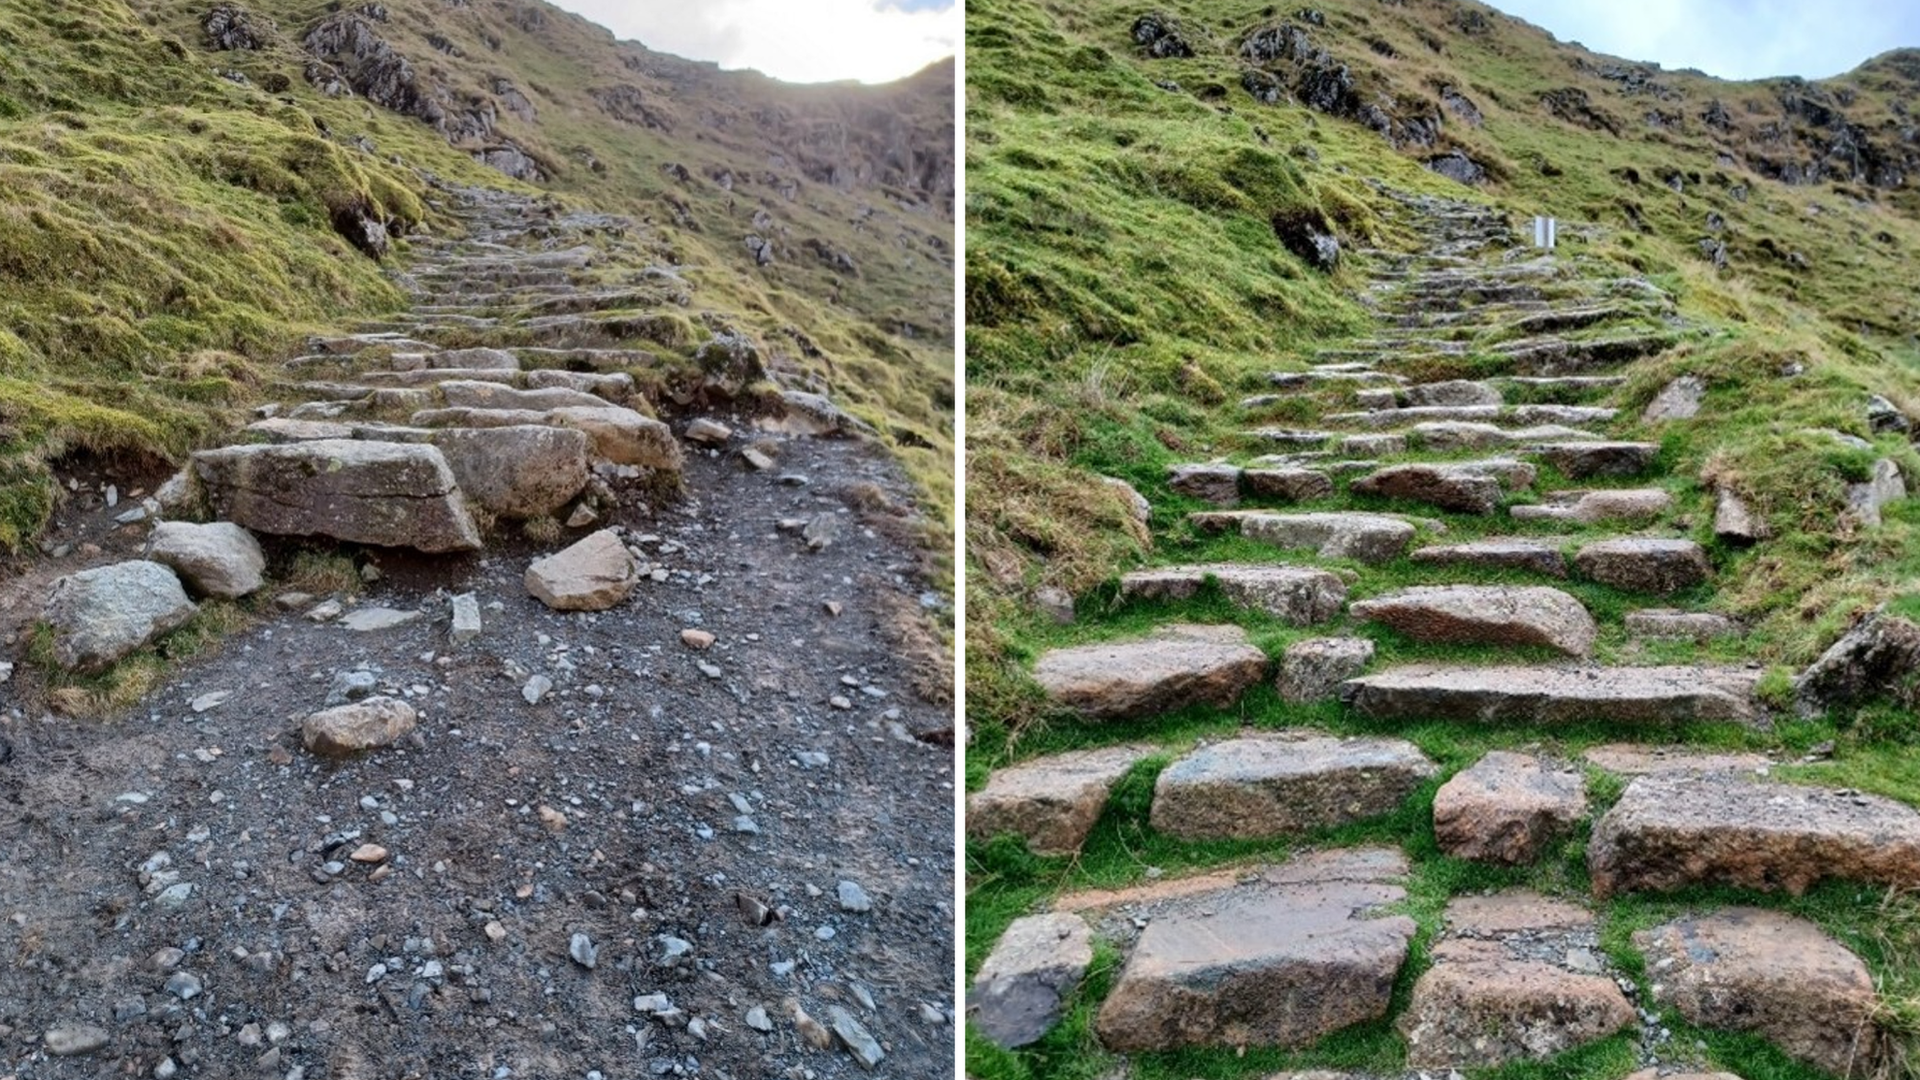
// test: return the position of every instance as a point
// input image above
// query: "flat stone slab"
(1176, 666)
(1296, 595)
(386, 494)
(1286, 484)
(1464, 487)
(1673, 830)
(1667, 623)
(1772, 974)
(1475, 435)
(1509, 615)
(1282, 959)
(1644, 565)
(1631, 759)
(1313, 669)
(519, 472)
(286, 429)
(1555, 695)
(1508, 808)
(1499, 553)
(1581, 460)
(1053, 801)
(1367, 538)
(1633, 505)
(1515, 977)
(1284, 785)
(1020, 989)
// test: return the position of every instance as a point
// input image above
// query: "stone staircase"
(1467, 445)
(502, 396)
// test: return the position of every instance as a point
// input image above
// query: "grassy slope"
(1124, 289)
(164, 232)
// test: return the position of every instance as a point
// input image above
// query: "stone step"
(1498, 415)
(1449, 393)
(1296, 595)
(1174, 667)
(1288, 436)
(1514, 616)
(1051, 802)
(1224, 484)
(1550, 695)
(1561, 356)
(1677, 830)
(1367, 538)
(615, 434)
(1635, 759)
(1286, 784)
(592, 359)
(1454, 435)
(385, 494)
(1465, 487)
(355, 344)
(1630, 505)
(1516, 977)
(456, 359)
(1774, 975)
(1276, 956)
(1645, 565)
(1578, 383)
(1296, 380)
(1559, 320)
(1538, 555)
(1021, 989)
(1666, 623)
(1508, 808)
(1585, 459)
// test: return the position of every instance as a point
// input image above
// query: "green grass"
(1126, 289)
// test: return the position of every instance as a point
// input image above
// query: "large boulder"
(1036, 964)
(1772, 974)
(388, 494)
(1511, 615)
(218, 559)
(592, 575)
(100, 615)
(1174, 667)
(517, 472)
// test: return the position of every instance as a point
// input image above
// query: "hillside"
(1413, 493)
(174, 176)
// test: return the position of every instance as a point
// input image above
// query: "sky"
(793, 40)
(1732, 39)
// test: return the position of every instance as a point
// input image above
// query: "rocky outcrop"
(1174, 667)
(387, 494)
(231, 28)
(101, 615)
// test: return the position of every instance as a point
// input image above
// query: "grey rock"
(1555, 695)
(1581, 460)
(1678, 400)
(73, 1040)
(1865, 500)
(1499, 553)
(1311, 670)
(1644, 565)
(1137, 503)
(1508, 615)
(1052, 802)
(1878, 656)
(219, 559)
(1667, 623)
(592, 575)
(345, 730)
(1594, 507)
(1176, 666)
(1734, 522)
(370, 619)
(853, 898)
(582, 950)
(517, 472)
(1296, 595)
(1020, 990)
(388, 494)
(1508, 808)
(1212, 482)
(858, 1041)
(1367, 538)
(466, 619)
(99, 616)
(1284, 785)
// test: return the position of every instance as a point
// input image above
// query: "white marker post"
(1546, 232)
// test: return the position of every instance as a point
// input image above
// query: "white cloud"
(1733, 39)
(794, 40)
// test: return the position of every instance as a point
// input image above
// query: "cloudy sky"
(795, 40)
(1733, 39)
